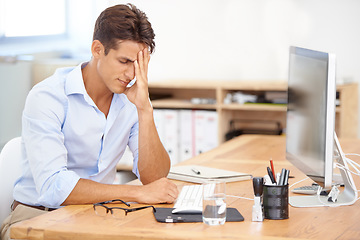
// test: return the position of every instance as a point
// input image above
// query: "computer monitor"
(311, 142)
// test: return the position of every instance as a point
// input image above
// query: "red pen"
(272, 168)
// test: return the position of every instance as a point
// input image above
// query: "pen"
(287, 172)
(277, 177)
(271, 175)
(282, 177)
(195, 171)
(272, 168)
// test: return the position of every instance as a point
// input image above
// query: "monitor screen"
(311, 113)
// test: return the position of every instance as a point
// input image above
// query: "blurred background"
(238, 40)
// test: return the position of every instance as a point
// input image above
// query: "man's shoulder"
(55, 84)
(56, 79)
(51, 89)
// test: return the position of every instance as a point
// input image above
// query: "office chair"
(9, 172)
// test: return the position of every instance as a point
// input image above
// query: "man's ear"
(97, 49)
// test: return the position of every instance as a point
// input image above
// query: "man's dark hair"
(123, 22)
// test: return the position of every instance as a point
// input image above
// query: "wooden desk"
(247, 154)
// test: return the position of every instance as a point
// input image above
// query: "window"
(24, 18)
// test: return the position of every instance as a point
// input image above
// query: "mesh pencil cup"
(276, 201)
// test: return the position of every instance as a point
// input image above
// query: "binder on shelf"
(159, 123)
(200, 132)
(171, 136)
(206, 130)
(185, 135)
(211, 121)
(199, 174)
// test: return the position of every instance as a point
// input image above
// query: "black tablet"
(165, 215)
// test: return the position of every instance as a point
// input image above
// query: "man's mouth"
(124, 83)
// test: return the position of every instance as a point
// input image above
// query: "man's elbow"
(147, 177)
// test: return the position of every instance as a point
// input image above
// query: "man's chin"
(118, 90)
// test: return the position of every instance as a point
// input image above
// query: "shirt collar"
(75, 82)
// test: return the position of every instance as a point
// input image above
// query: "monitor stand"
(347, 197)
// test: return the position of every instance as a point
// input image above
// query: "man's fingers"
(143, 61)
(161, 191)
(173, 193)
(137, 71)
(171, 197)
(146, 59)
(140, 72)
(170, 191)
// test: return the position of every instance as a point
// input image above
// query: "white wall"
(229, 39)
(226, 39)
(248, 39)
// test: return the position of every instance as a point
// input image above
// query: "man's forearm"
(154, 161)
(87, 192)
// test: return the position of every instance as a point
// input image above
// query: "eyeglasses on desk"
(117, 212)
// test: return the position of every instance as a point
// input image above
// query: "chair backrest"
(10, 171)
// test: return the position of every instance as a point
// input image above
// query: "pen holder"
(276, 201)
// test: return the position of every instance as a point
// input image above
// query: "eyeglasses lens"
(118, 213)
(101, 211)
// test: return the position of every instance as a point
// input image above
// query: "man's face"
(117, 69)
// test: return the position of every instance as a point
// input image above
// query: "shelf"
(254, 86)
(178, 95)
(180, 103)
(254, 107)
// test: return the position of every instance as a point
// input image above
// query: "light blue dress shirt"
(66, 137)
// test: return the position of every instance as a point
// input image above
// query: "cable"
(352, 161)
(346, 169)
(352, 154)
(240, 197)
(347, 160)
(322, 202)
(298, 182)
(356, 172)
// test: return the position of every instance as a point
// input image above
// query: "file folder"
(186, 173)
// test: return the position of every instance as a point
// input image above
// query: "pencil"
(272, 168)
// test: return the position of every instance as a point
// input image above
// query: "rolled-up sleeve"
(133, 145)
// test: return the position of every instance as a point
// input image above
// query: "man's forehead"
(129, 48)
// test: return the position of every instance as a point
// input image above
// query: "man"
(78, 122)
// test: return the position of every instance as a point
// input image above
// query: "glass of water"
(214, 204)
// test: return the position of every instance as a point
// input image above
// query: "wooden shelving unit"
(181, 95)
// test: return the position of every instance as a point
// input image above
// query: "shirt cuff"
(61, 187)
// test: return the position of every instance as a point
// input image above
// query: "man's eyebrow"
(127, 59)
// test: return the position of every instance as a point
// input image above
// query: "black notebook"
(165, 215)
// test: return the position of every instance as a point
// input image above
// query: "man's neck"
(96, 88)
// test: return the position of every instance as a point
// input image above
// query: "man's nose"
(130, 71)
